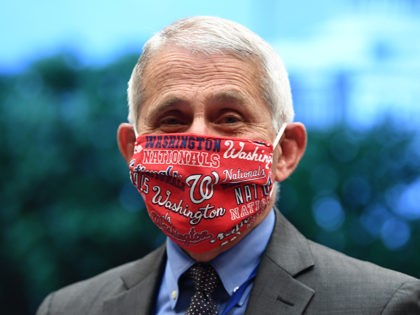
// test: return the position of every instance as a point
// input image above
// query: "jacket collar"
(276, 289)
(141, 282)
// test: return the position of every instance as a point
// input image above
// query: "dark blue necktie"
(205, 281)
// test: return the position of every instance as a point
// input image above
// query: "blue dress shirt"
(233, 267)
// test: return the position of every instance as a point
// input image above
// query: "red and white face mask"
(203, 191)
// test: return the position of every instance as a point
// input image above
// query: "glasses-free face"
(203, 94)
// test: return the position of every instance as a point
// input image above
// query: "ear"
(289, 151)
(126, 139)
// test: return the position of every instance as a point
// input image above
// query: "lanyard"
(237, 295)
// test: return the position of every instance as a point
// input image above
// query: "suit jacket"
(296, 276)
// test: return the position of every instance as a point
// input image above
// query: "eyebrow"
(166, 105)
(230, 96)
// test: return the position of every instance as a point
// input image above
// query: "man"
(210, 131)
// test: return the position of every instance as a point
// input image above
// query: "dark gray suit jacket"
(296, 276)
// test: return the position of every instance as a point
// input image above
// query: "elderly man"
(210, 133)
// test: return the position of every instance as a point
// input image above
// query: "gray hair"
(213, 35)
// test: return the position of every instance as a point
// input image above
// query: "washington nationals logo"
(202, 186)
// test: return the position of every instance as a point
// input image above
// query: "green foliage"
(68, 210)
(358, 192)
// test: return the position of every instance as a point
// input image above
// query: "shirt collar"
(233, 266)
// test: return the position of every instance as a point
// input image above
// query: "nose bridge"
(198, 124)
(199, 121)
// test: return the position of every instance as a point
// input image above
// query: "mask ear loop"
(275, 143)
(279, 134)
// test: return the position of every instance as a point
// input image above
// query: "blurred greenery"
(68, 210)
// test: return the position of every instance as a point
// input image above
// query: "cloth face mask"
(202, 191)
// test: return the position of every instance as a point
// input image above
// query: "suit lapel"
(141, 282)
(276, 289)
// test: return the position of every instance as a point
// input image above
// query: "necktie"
(205, 281)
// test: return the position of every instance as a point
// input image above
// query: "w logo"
(202, 187)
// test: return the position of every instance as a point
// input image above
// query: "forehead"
(174, 68)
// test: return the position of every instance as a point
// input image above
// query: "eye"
(229, 118)
(170, 120)
(173, 121)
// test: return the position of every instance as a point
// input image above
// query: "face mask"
(203, 192)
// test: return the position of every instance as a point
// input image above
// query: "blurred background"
(67, 208)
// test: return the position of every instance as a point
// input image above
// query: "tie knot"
(204, 277)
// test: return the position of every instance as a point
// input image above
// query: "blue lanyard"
(237, 295)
